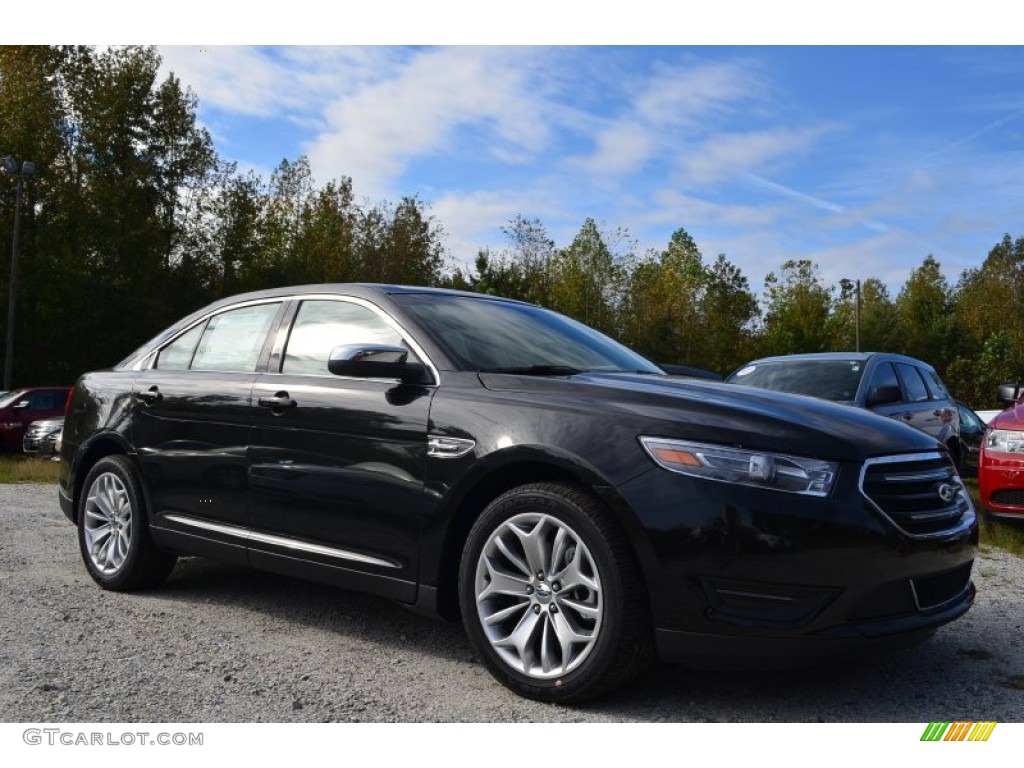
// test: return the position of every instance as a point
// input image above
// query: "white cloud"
(674, 207)
(689, 96)
(375, 132)
(672, 106)
(726, 155)
(623, 148)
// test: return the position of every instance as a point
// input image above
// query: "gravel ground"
(220, 643)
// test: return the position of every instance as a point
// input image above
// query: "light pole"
(28, 168)
(856, 315)
(845, 282)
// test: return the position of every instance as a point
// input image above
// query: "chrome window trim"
(383, 315)
(281, 541)
(147, 361)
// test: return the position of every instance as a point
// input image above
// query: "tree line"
(133, 221)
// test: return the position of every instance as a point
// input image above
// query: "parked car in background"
(20, 407)
(1001, 464)
(41, 437)
(689, 372)
(899, 387)
(488, 459)
(989, 414)
(972, 432)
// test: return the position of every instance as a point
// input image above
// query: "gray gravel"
(220, 643)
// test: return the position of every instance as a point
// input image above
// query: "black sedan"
(481, 458)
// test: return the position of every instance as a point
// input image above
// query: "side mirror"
(1009, 393)
(21, 404)
(887, 393)
(377, 361)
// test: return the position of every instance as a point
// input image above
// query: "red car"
(1001, 465)
(21, 407)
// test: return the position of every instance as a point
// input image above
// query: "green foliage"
(679, 310)
(797, 305)
(586, 279)
(133, 215)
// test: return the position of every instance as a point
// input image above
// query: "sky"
(863, 159)
(863, 137)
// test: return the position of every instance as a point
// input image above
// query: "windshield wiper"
(535, 370)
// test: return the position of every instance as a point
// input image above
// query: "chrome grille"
(920, 494)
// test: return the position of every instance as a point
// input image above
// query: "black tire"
(113, 529)
(579, 640)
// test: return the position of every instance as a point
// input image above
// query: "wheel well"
(470, 507)
(98, 450)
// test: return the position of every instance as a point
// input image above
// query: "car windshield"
(11, 398)
(826, 379)
(502, 336)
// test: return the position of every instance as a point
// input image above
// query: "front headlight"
(1004, 441)
(761, 469)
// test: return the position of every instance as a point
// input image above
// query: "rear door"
(191, 422)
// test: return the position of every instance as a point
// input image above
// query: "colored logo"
(960, 730)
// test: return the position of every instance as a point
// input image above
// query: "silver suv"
(901, 387)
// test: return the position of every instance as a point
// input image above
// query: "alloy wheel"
(107, 523)
(538, 595)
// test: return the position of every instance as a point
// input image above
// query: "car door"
(337, 463)
(191, 421)
(921, 411)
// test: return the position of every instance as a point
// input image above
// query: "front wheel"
(552, 596)
(113, 533)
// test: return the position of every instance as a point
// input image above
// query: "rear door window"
(232, 340)
(938, 389)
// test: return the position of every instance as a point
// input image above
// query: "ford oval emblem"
(947, 492)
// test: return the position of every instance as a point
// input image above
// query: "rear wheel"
(552, 596)
(113, 532)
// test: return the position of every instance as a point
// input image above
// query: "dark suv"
(897, 386)
(478, 457)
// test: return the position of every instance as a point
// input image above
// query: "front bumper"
(739, 573)
(1001, 485)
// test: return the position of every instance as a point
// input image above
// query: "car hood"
(1011, 418)
(52, 423)
(728, 414)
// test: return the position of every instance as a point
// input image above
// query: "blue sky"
(863, 159)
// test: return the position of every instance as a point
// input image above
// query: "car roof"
(842, 356)
(355, 289)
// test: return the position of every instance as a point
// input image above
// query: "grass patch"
(995, 533)
(27, 469)
(979, 654)
(1016, 683)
